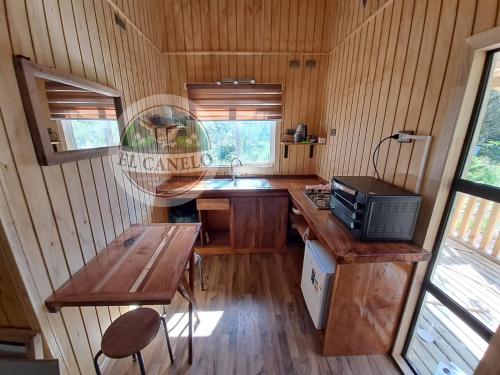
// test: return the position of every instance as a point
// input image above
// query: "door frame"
(475, 50)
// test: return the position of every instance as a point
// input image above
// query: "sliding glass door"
(459, 306)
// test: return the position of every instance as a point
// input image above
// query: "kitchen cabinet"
(259, 222)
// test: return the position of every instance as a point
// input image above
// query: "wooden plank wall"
(12, 313)
(216, 39)
(57, 218)
(397, 65)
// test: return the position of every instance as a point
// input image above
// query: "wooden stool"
(131, 333)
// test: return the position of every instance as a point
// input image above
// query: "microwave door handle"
(344, 188)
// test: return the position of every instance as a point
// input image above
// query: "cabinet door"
(259, 223)
(273, 216)
(244, 223)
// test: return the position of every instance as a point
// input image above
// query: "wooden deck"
(473, 280)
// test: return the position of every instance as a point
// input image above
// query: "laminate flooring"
(253, 321)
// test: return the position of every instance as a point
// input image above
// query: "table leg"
(191, 286)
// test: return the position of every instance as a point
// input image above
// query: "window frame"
(458, 185)
(256, 167)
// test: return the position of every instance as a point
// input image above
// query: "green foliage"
(94, 133)
(483, 170)
(484, 163)
(251, 141)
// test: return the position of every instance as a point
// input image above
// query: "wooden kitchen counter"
(344, 246)
(191, 187)
(329, 230)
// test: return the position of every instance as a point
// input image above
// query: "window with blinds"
(72, 103)
(211, 102)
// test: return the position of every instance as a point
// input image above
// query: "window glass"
(85, 134)
(468, 265)
(442, 343)
(483, 160)
(250, 141)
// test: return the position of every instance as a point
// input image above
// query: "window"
(240, 120)
(85, 134)
(460, 299)
(253, 142)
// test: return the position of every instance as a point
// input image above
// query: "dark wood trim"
(27, 73)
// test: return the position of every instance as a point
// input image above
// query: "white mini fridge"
(317, 276)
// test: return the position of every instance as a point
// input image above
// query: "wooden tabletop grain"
(143, 266)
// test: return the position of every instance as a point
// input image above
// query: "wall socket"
(333, 132)
(402, 134)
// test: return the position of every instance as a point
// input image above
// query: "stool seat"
(130, 333)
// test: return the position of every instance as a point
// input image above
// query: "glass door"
(459, 306)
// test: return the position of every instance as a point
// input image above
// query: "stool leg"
(96, 365)
(141, 363)
(170, 353)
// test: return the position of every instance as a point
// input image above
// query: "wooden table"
(145, 265)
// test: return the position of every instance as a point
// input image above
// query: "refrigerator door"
(317, 270)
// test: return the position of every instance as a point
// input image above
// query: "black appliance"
(374, 210)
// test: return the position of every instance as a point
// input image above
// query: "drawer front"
(212, 204)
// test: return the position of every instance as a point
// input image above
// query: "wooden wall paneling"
(109, 41)
(386, 82)
(72, 317)
(70, 38)
(346, 93)
(12, 309)
(134, 206)
(70, 172)
(374, 30)
(395, 85)
(35, 278)
(336, 101)
(382, 49)
(421, 82)
(416, 88)
(448, 106)
(407, 82)
(132, 88)
(358, 91)
(74, 176)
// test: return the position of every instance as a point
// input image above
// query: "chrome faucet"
(233, 175)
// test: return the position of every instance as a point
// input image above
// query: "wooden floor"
(474, 281)
(253, 321)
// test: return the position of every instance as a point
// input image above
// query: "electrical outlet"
(333, 132)
(404, 136)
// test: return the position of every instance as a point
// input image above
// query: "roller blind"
(235, 102)
(71, 103)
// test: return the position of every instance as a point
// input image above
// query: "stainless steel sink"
(238, 183)
(252, 183)
(218, 183)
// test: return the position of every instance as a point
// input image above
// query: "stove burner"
(321, 200)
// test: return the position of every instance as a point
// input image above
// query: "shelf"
(311, 147)
(299, 223)
(220, 243)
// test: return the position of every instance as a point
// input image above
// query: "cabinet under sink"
(249, 223)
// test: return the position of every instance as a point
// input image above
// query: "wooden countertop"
(191, 187)
(344, 246)
(330, 231)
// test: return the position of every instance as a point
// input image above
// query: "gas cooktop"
(320, 199)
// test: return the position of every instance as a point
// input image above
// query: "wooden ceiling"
(232, 26)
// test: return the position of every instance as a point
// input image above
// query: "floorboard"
(253, 321)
